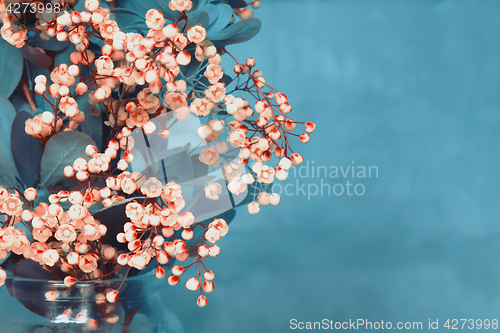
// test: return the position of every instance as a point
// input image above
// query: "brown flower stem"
(27, 92)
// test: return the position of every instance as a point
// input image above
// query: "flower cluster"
(130, 80)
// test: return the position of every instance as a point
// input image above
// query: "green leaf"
(220, 16)
(11, 67)
(92, 125)
(26, 150)
(8, 169)
(63, 57)
(62, 150)
(20, 103)
(198, 17)
(48, 45)
(239, 32)
(237, 3)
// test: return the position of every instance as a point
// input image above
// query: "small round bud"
(193, 284)
(91, 150)
(253, 208)
(187, 234)
(30, 194)
(250, 62)
(159, 273)
(173, 280)
(203, 251)
(69, 281)
(310, 127)
(112, 296)
(48, 118)
(209, 275)
(214, 250)
(208, 286)
(177, 270)
(296, 158)
(202, 301)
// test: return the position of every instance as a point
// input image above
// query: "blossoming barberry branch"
(131, 81)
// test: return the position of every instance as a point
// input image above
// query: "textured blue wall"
(412, 87)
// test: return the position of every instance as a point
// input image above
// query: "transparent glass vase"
(24, 307)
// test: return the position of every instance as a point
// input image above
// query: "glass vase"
(41, 306)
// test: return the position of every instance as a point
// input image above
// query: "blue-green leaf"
(62, 150)
(238, 32)
(92, 125)
(198, 17)
(220, 16)
(26, 150)
(63, 57)
(237, 3)
(49, 45)
(8, 171)
(11, 67)
(20, 102)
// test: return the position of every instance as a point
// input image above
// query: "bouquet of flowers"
(125, 145)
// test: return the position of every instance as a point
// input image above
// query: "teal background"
(411, 87)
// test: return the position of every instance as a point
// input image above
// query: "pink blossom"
(12, 206)
(154, 19)
(237, 138)
(152, 188)
(138, 118)
(212, 235)
(50, 257)
(61, 76)
(98, 163)
(196, 34)
(7, 237)
(180, 5)
(128, 185)
(108, 28)
(213, 190)
(172, 191)
(176, 100)
(69, 106)
(221, 225)
(77, 212)
(236, 186)
(265, 175)
(91, 5)
(87, 263)
(66, 233)
(201, 106)
(41, 234)
(104, 65)
(134, 210)
(21, 243)
(214, 73)
(35, 251)
(13, 34)
(148, 100)
(186, 219)
(209, 156)
(216, 92)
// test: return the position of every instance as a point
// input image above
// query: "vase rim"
(138, 277)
